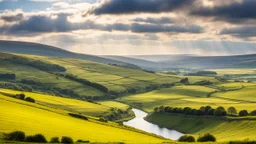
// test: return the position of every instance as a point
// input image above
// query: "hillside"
(168, 62)
(33, 118)
(76, 78)
(46, 50)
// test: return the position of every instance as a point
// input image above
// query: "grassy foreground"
(33, 118)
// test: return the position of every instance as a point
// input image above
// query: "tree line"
(39, 138)
(85, 82)
(8, 76)
(205, 110)
(37, 64)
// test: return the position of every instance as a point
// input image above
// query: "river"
(139, 123)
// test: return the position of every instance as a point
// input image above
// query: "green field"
(223, 130)
(117, 79)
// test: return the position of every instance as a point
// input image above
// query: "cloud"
(241, 31)
(139, 6)
(12, 18)
(156, 28)
(44, 24)
(161, 20)
(233, 12)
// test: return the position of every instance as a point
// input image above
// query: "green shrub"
(103, 119)
(67, 140)
(243, 113)
(29, 99)
(55, 140)
(186, 138)
(39, 138)
(20, 96)
(207, 138)
(82, 141)
(220, 111)
(15, 136)
(253, 113)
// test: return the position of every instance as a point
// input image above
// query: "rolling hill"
(46, 50)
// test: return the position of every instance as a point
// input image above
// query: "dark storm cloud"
(155, 28)
(234, 12)
(12, 18)
(241, 31)
(162, 20)
(139, 6)
(44, 24)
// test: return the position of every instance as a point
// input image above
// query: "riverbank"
(223, 130)
(139, 123)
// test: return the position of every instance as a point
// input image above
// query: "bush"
(232, 111)
(103, 119)
(186, 138)
(29, 99)
(253, 113)
(211, 112)
(207, 138)
(82, 141)
(8, 76)
(20, 96)
(67, 140)
(243, 113)
(15, 136)
(39, 138)
(78, 116)
(55, 140)
(184, 81)
(220, 111)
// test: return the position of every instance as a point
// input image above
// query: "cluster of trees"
(204, 138)
(20, 87)
(37, 64)
(205, 110)
(202, 73)
(38, 138)
(23, 97)
(8, 76)
(85, 82)
(117, 114)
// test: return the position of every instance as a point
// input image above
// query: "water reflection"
(139, 123)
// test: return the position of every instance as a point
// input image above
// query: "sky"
(133, 27)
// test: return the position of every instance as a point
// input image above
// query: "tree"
(161, 109)
(184, 81)
(55, 140)
(243, 113)
(66, 140)
(166, 109)
(29, 99)
(211, 112)
(232, 111)
(220, 111)
(253, 113)
(207, 108)
(39, 138)
(186, 138)
(207, 138)
(156, 109)
(15, 136)
(199, 113)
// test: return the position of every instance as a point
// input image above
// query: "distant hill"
(205, 62)
(145, 64)
(46, 50)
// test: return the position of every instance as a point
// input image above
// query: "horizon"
(101, 27)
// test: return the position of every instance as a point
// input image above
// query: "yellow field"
(30, 118)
